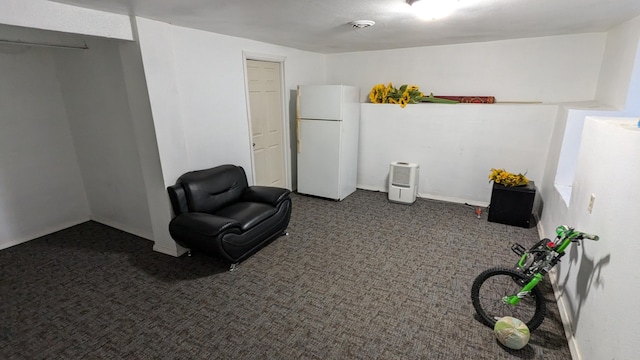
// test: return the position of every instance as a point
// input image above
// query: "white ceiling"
(322, 25)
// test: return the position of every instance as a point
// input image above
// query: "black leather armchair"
(216, 212)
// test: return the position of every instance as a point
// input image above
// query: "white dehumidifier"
(403, 182)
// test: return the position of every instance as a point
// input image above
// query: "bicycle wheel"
(492, 285)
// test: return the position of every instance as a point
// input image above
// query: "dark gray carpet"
(357, 279)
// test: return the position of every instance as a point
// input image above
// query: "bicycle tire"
(493, 284)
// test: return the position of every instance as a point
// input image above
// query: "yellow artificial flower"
(503, 177)
(406, 94)
(376, 94)
(372, 96)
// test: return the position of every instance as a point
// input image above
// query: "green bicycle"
(500, 291)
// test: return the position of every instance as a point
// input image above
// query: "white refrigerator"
(328, 131)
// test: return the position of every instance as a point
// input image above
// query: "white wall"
(142, 121)
(618, 65)
(197, 94)
(574, 121)
(632, 106)
(555, 69)
(93, 87)
(49, 15)
(598, 279)
(195, 83)
(604, 152)
(547, 69)
(37, 129)
(616, 95)
(102, 93)
(455, 144)
(41, 189)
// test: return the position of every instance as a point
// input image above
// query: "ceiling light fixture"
(433, 9)
(361, 24)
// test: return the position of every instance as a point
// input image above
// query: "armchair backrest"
(208, 190)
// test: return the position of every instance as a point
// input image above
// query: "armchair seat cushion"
(247, 214)
(204, 224)
(218, 213)
(265, 194)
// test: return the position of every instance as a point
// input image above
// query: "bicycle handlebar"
(590, 237)
(564, 230)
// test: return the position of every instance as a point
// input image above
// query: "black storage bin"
(515, 205)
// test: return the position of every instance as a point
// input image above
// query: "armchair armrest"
(265, 194)
(201, 224)
(178, 199)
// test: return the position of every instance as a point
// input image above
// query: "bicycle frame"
(523, 299)
(553, 252)
(515, 299)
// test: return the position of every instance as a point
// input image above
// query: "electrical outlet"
(592, 199)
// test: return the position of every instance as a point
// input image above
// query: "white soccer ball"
(512, 332)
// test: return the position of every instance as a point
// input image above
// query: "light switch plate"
(592, 200)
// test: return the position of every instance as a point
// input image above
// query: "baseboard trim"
(540, 228)
(44, 232)
(175, 252)
(431, 197)
(123, 227)
(371, 188)
(454, 200)
(564, 316)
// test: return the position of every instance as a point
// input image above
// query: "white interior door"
(265, 110)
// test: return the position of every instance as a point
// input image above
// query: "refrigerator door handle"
(298, 120)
